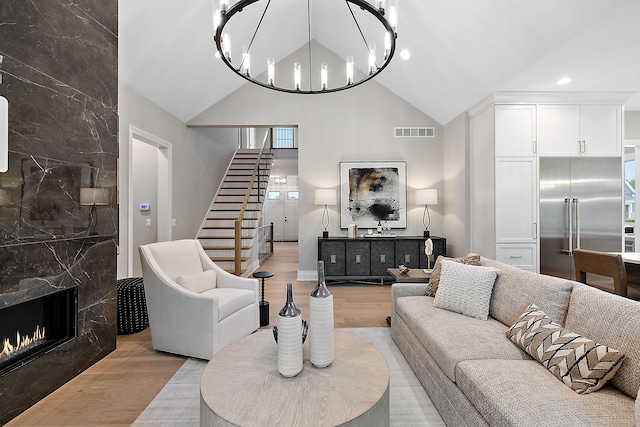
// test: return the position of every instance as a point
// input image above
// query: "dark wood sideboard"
(367, 258)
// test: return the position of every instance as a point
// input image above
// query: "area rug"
(178, 403)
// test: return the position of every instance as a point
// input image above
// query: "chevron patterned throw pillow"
(580, 363)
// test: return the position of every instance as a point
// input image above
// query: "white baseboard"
(307, 276)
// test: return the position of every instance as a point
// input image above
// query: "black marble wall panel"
(59, 75)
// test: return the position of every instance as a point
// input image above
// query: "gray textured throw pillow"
(465, 289)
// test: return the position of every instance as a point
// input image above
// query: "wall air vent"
(414, 132)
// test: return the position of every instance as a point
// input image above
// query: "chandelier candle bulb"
(324, 75)
(387, 45)
(226, 44)
(349, 70)
(224, 6)
(380, 5)
(393, 14)
(297, 75)
(289, 339)
(271, 70)
(246, 61)
(372, 58)
(321, 324)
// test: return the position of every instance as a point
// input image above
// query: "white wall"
(353, 125)
(632, 125)
(144, 183)
(199, 160)
(455, 185)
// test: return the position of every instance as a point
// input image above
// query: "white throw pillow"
(198, 282)
(465, 289)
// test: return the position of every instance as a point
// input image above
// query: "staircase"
(218, 232)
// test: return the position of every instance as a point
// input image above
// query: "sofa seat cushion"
(231, 300)
(451, 337)
(524, 393)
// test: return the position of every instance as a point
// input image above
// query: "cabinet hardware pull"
(515, 256)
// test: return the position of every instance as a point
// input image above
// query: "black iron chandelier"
(373, 24)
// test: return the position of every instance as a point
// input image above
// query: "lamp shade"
(325, 196)
(427, 196)
(94, 196)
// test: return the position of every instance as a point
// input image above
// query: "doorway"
(149, 194)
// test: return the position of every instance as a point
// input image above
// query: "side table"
(416, 275)
(264, 305)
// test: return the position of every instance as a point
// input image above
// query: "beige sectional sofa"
(476, 376)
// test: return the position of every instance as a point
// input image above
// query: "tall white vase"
(290, 337)
(321, 331)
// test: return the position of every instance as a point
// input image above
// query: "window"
(630, 190)
(284, 138)
(292, 195)
(273, 195)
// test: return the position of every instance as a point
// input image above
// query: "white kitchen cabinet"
(516, 200)
(515, 130)
(569, 130)
(524, 257)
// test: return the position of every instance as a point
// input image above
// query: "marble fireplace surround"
(59, 75)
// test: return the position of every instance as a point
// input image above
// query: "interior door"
(291, 216)
(274, 213)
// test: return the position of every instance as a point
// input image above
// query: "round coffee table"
(241, 386)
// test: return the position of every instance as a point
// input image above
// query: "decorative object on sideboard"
(361, 21)
(321, 340)
(428, 251)
(426, 197)
(289, 335)
(352, 232)
(404, 269)
(326, 197)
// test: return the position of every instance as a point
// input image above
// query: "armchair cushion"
(198, 282)
(230, 300)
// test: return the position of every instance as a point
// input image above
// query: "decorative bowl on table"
(403, 269)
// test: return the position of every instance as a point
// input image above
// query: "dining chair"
(603, 264)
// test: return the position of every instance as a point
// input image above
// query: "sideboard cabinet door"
(358, 258)
(333, 255)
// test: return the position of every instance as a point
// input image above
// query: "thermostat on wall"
(144, 206)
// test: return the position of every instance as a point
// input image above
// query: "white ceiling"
(461, 51)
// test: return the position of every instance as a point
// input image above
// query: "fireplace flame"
(23, 342)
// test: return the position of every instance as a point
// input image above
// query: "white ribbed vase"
(290, 337)
(321, 340)
(289, 346)
(321, 336)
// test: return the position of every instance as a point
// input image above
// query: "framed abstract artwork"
(372, 192)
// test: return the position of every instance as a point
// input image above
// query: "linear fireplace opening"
(33, 328)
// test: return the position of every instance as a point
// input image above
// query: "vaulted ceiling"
(461, 50)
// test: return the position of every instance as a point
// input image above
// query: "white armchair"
(195, 307)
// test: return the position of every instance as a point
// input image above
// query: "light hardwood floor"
(114, 391)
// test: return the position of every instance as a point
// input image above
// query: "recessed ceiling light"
(404, 54)
(564, 81)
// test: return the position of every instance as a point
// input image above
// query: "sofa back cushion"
(611, 320)
(515, 289)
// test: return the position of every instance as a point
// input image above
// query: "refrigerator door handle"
(569, 251)
(576, 202)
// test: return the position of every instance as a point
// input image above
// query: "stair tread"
(224, 248)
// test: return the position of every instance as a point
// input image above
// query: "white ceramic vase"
(321, 328)
(290, 337)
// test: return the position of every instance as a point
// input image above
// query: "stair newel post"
(238, 246)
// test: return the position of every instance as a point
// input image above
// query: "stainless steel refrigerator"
(580, 207)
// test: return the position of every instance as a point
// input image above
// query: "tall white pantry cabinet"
(508, 132)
